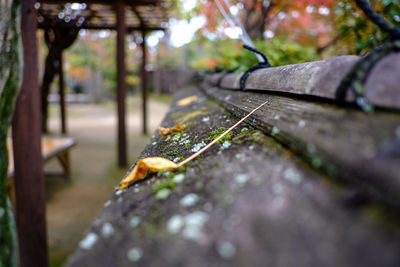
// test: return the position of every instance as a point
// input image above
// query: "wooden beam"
(144, 83)
(26, 131)
(62, 94)
(121, 85)
(321, 79)
(111, 27)
(103, 2)
(346, 144)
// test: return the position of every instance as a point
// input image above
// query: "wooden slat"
(121, 85)
(362, 149)
(143, 83)
(51, 147)
(321, 78)
(62, 94)
(26, 131)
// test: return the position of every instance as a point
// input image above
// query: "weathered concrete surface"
(321, 78)
(347, 144)
(246, 202)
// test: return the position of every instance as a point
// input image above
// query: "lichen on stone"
(89, 241)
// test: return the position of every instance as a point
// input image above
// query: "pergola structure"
(61, 20)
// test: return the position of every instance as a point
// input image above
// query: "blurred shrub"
(359, 34)
(228, 54)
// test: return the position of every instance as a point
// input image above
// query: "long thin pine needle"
(219, 137)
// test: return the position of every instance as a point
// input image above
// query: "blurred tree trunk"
(10, 68)
(256, 17)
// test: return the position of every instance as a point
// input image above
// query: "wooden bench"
(52, 147)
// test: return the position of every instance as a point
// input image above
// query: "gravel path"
(72, 205)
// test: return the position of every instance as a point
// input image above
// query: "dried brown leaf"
(187, 100)
(165, 131)
(155, 164)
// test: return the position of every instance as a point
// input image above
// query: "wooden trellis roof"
(100, 14)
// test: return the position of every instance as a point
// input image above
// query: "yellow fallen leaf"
(155, 164)
(164, 131)
(186, 100)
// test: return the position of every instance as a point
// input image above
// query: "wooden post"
(61, 93)
(144, 82)
(121, 86)
(26, 131)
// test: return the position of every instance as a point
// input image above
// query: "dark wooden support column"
(144, 82)
(62, 94)
(26, 131)
(121, 86)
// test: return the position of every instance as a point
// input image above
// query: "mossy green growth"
(163, 184)
(162, 148)
(173, 152)
(258, 137)
(215, 134)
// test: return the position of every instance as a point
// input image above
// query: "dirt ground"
(73, 204)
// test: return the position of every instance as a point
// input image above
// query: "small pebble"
(251, 147)
(136, 190)
(88, 241)
(176, 159)
(154, 143)
(228, 97)
(118, 192)
(244, 129)
(189, 200)
(226, 249)
(107, 230)
(175, 224)
(178, 178)
(134, 221)
(134, 254)
(163, 193)
(277, 117)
